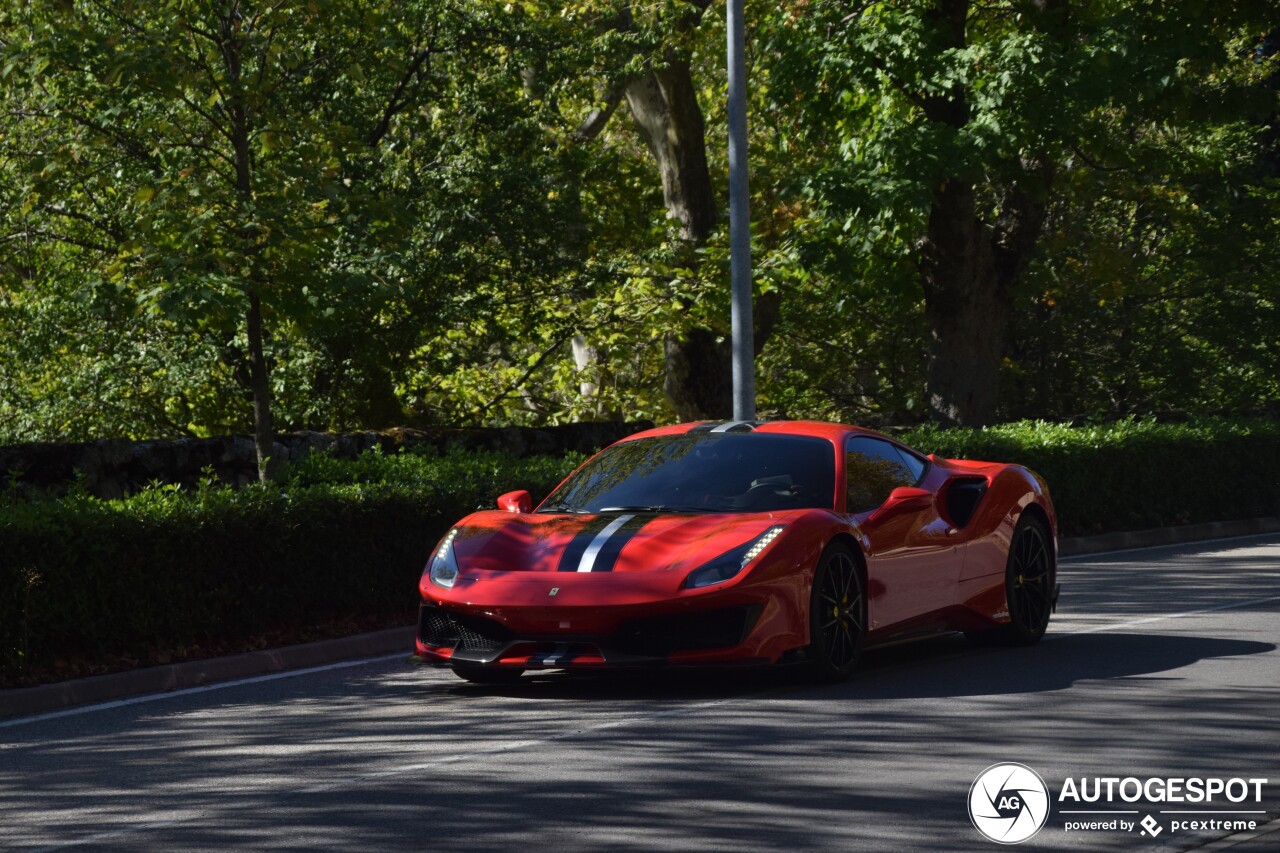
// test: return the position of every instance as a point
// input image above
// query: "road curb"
(1128, 539)
(25, 701)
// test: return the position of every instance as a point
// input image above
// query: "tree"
(196, 157)
(349, 214)
(955, 122)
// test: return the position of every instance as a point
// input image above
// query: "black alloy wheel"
(837, 614)
(1029, 583)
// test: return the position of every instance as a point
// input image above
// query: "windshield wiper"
(564, 508)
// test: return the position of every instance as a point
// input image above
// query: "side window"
(914, 464)
(874, 468)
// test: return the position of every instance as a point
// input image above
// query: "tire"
(488, 674)
(1029, 578)
(837, 615)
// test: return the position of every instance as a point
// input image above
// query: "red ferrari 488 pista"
(742, 543)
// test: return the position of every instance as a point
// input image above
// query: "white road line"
(189, 691)
(1116, 626)
(1078, 557)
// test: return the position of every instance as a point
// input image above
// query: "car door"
(913, 567)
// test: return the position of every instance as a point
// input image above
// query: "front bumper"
(634, 639)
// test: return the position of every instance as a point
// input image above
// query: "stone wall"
(114, 467)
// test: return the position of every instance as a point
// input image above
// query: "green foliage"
(166, 568)
(429, 232)
(378, 175)
(1151, 126)
(1133, 474)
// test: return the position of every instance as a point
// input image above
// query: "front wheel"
(488, 674)
(1029, 583)
(837, 614)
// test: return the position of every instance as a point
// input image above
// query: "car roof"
(816, 429)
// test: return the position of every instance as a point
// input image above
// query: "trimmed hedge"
(168, 568)
(165, 568)
(1133, 474)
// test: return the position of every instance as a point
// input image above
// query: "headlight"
(729, 564)
(443, 567)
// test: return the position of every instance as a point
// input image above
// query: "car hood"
(607, 542)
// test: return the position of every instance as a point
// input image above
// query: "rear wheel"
(488, 674)
(1028, 583)
(837, 614)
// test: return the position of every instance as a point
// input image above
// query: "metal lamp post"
(744, 380)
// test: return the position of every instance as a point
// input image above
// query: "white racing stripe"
(588, 561)
(728, 426)
(561, 650)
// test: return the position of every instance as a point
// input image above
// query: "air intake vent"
(439, 628)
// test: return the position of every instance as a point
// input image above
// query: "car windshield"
(703, 472)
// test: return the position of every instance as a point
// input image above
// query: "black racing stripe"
(702, 428)
(578, 545)
(608, 555)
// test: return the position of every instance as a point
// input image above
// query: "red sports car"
(742, 543)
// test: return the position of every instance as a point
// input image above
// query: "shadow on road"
(716, 761)
(944, 667)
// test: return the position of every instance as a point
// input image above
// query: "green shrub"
(1134, 473)
(167, 568)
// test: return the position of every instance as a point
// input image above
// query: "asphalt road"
(1159, 663)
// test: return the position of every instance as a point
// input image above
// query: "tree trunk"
(665, 107)
(269, 468)
(969, 266)
(968, 270)
(967, 310)
(699, 378)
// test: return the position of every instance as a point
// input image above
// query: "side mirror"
(516, 502)
(902, 500)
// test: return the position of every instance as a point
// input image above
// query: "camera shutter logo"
(1008, 803)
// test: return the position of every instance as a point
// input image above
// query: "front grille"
(658, 636)
(441, 628)
(711, 629)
